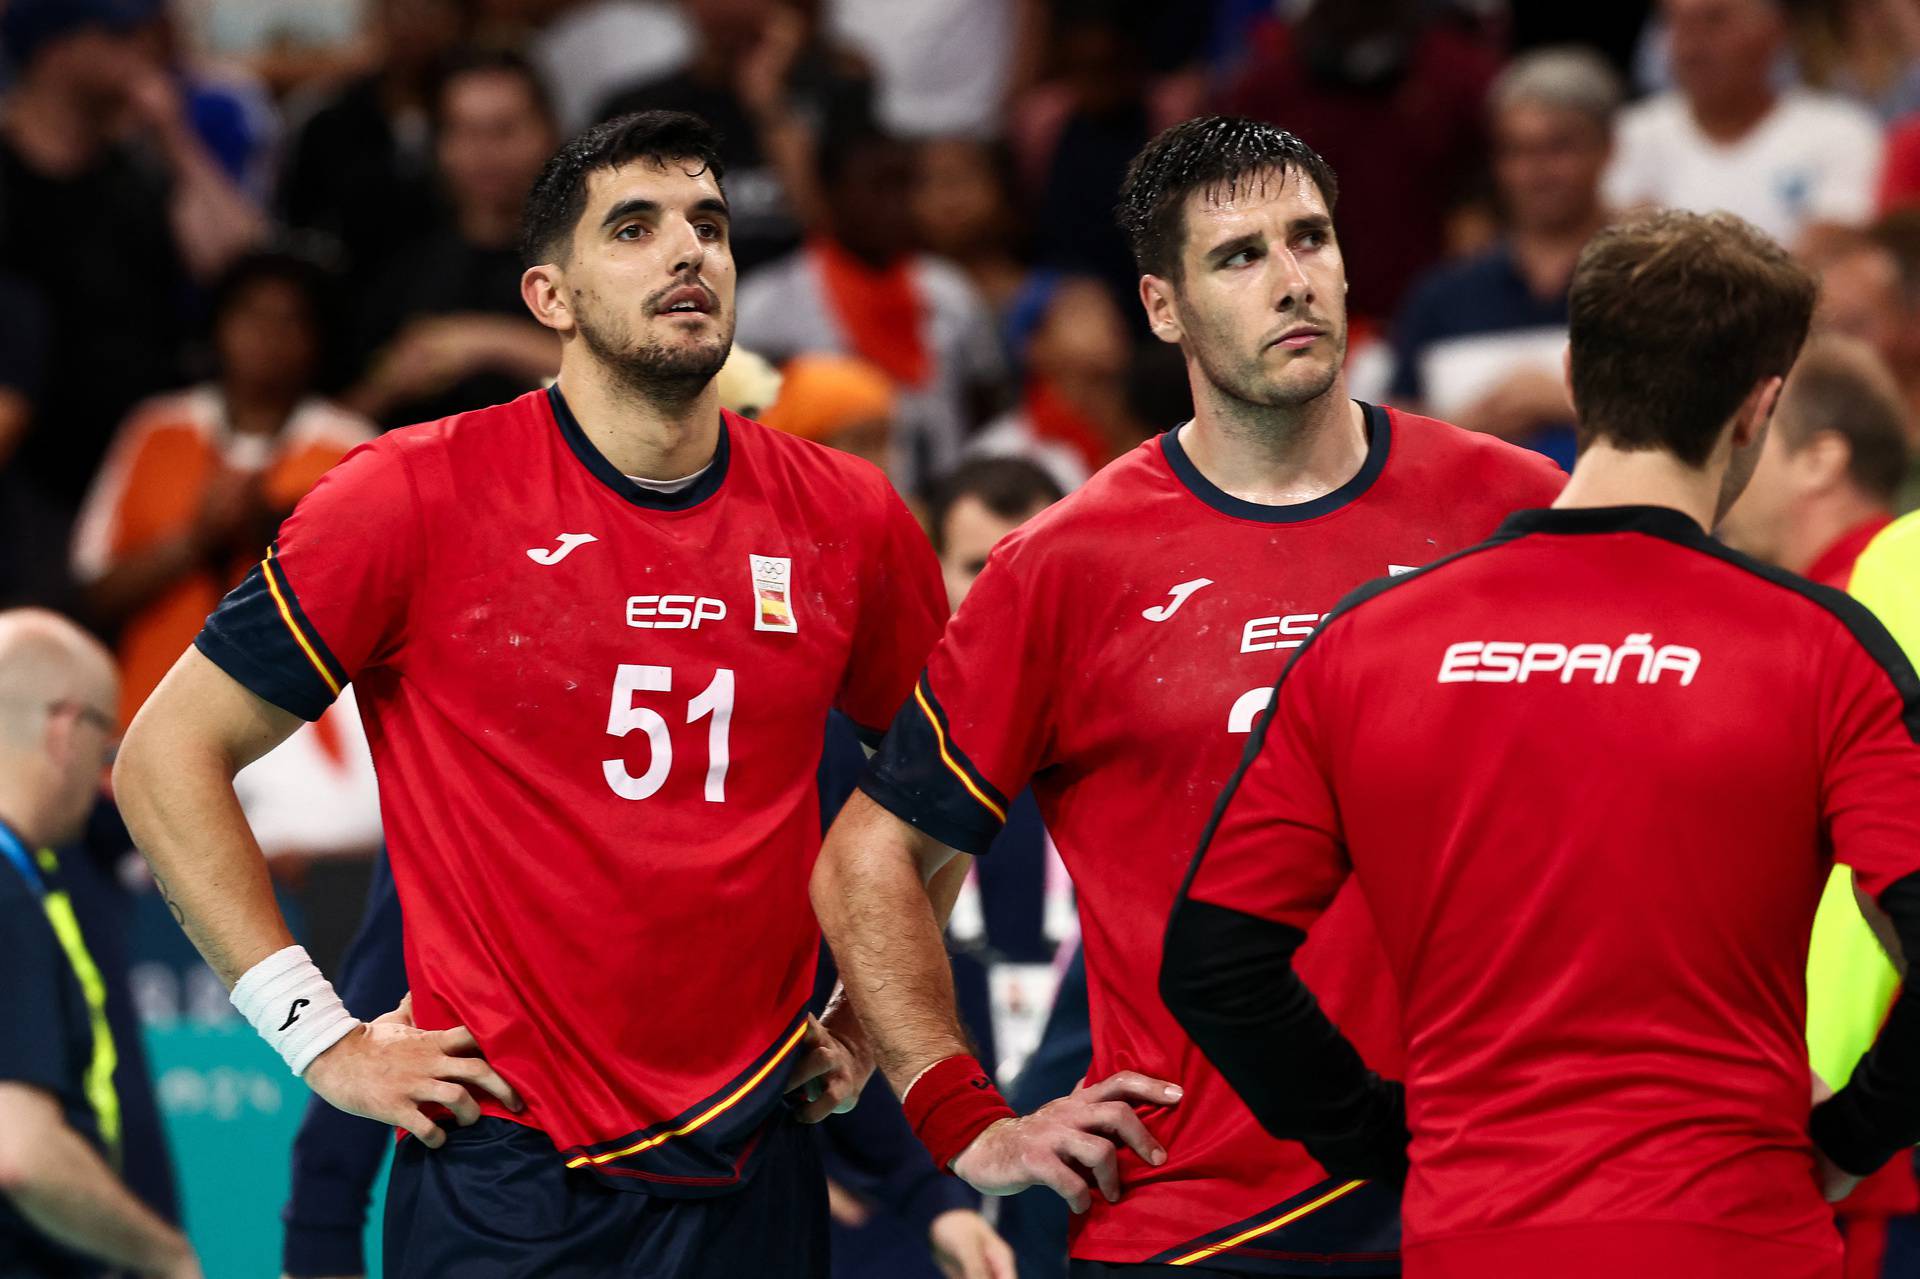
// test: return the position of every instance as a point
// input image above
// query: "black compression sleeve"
(1228, 979)
(1877, 1114)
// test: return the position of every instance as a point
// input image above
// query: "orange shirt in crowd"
(168, 454)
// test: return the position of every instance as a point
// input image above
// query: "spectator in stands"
(31, 569)
(64, 1210)
(1479, 341)
(1870, 290)
(1395, 99)
(197, 480)
(763, 77)
(360, 169)
(1076, 132)
(226, 105)
(108, 238)
(860, 287)
(1072, 418)
(943, 67)
(839, 401)
(1868, 50)
(445, 331)
(1727, 137)
(966, 207)
(1833, 461)
(592, 49)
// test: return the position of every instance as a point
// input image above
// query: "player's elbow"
(1220, 967)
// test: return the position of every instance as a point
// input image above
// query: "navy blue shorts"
(497, 1202)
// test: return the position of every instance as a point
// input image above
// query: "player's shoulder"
(1817, 608)
(1894, 553)
(322, 422)
(834, 482)
(1100, 517)
(1453, 459)
(498, 429)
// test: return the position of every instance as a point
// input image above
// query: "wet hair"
(1216, 154)
(1674, 318)
(1010, 487)
(559, 194)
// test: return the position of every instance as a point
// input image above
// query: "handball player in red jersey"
(1114, 655)
(595, 633)
(1590, 777)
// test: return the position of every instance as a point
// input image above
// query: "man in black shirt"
(445, 330)
(107, 233)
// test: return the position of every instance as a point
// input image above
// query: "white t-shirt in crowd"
(1815, 158)
(595, 50)
(942, 65)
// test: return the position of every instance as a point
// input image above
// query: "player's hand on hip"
(1068, 1142)
(829, 1075)
(966, 1247)
(390, 1071)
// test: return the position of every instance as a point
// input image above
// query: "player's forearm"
(1877, 1114)
(874, 907)
(174, 784)
(65, 1190)
(1228, 979)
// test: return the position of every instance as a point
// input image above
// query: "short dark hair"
(314, 282)
(559, 194)
(1010, 487)
(1675, 317)
(479, 61)
(1841, 385)
(1211, 153)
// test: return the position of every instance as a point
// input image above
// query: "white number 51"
(624, 717)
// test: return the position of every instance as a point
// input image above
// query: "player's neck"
(1277, 456)
(1822, 522)
(1607, 476)
(642, 437)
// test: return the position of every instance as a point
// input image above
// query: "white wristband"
(292, 1006)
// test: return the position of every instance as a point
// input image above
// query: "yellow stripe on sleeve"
(941, 737)
(286, 615)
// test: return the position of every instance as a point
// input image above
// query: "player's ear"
(1156, 296)
(543, 289)
(1750, 420)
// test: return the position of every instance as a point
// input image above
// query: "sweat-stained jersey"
(1115, 654)
(596, 712)
(1590, 778)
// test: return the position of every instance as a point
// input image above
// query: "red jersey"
(1114, 654)
(596, 713)
(1590, 777)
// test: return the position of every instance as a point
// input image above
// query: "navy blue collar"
(1379, 441)
(1655, 521)
(14, 851)
(608, 474)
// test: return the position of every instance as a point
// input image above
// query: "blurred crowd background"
(238, 237)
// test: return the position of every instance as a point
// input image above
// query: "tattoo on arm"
(166, 895)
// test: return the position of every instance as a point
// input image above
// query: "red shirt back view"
(1590, 777)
